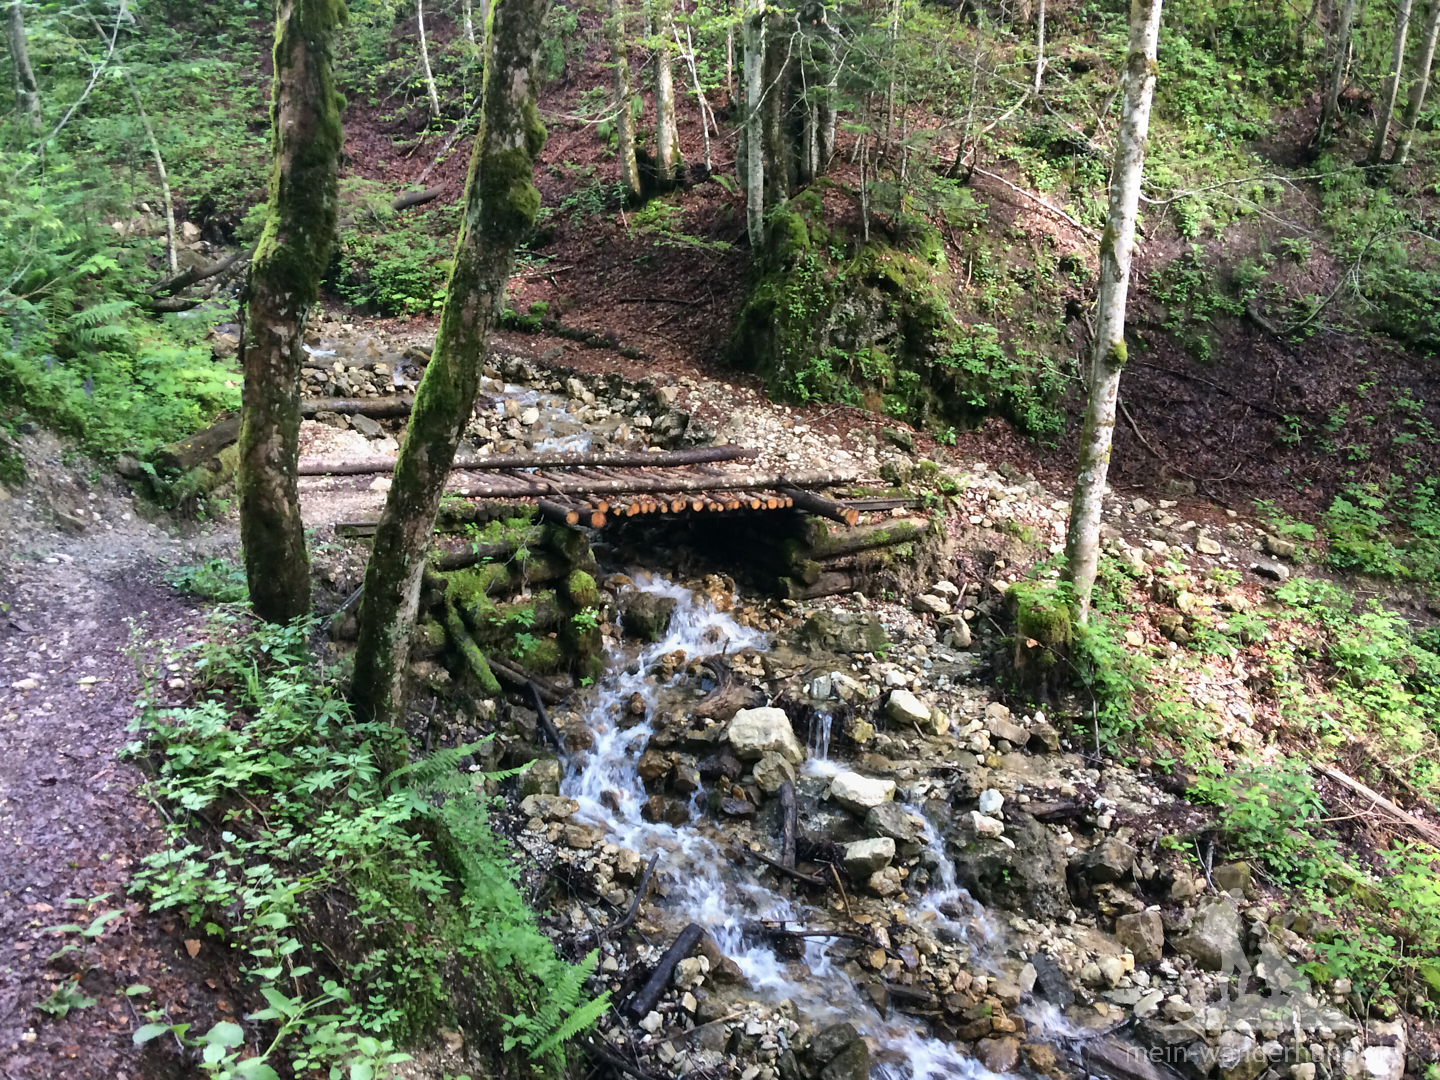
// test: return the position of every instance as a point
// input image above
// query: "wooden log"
(791, 872)
(821, 543)
(377, 408)
(1423, 829)
(471, 554)
(789, 823)
(640, 891)
(828, 584)
(546, 724)
(518, 677)
(470, 651)
(817, 504)
(559, 513)
(679, 483)
(649, 996)
(184, 455)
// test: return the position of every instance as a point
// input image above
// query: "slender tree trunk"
(730, 60)
(754, 32)
(284, 282)
(1392, 82)
(1330, 108)
(27, 92)
(700, 101)
(164, 179)
(890, 83)
(825, 110)
(777, 147)
(1082, 545)
(667, 135)
(1418, 88)
(425, 61)
(467, 11)
(1040, 47)
(624, 120)
(500, 206)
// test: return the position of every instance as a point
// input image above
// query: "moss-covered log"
(500, 206)
(1043, 629)
(472, 654)
(284, 283)
(821, 540)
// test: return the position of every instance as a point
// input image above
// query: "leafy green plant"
(65, 998)
(219, 580)
(304, 809)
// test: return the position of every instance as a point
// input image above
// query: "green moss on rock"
(581, 589)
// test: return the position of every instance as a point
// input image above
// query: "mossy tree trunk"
(500, 206)
(624, 121)
(667, 133)
(27, 92)
(753, 31)
(284, 283)
(778, 164)
(1082, 544)
(1419, 88)
(1391, 90)
(1335, 76)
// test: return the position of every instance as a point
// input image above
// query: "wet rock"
(583, 837)
(1107, 1056)
(721, 765)
(999, 1055)
(541, 778)
(852, 1063)
(828, 1042)
(771, 771)
(1213, 940)
(548, 807)
(685, 778)
(722, 969)
(1053, 984)
(1029, 877)
(1108, 861)
(859, 794)
(865, 857)
(755, 732)
(1041, 1056)
(647, 616)
(738, 808)
(905, 708)
(885, 883)
(658, 809)
(1143, 934)
(892, 820)
(843, 632)
(653, 765)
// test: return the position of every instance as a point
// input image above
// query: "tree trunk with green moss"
(1082, 544)
(27, 93)
(500, 206)
(624, 121)
(284, 283)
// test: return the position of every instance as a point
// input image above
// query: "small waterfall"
(704, 886)
(820, 736)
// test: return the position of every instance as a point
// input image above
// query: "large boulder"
(1213, 940)
(771, 771)
(893, 820)
(647, 615)
(864, 857)
(756, 732)
(1029, 876)
(1110, 860)
(905, 708)
(860, 794)
(1143, 934)
(843, 632)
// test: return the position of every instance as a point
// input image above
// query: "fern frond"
(99, 314)
(578, 1021)
(438, 764)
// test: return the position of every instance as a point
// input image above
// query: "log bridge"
(593, 489)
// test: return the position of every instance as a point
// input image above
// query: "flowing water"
(704, 886)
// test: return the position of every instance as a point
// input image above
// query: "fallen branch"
(640, 891)
(789, 823)
(1038, 201)
(189, 277)
(614, 1062)
(470, 651)
(548, 725)
(1428, 832)
(518, 677)
(644, 1002)
(776, 864)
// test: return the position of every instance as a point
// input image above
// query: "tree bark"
(667, 134)
(1082, 545)
(430, 91)
(1419, 88)
(500, 206)
(777, 148)
(699, 93)
(160, 170)
(753, 29)
(1040, 47)
(27, 92)
(1392, 82)
(467, 12)
(1330, 109)
(284, 282)
(624, 121)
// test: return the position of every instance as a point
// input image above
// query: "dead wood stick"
(789, 823)
(604, 1056)
(817, 504)
(634, 904)
(199, 273)
(843, 895)
(518, 677)
(1038, 201)
(776, 864)
(1427, 831)
(644, 1002)
(545, 722)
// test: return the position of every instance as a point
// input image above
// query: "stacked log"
(816, 557)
